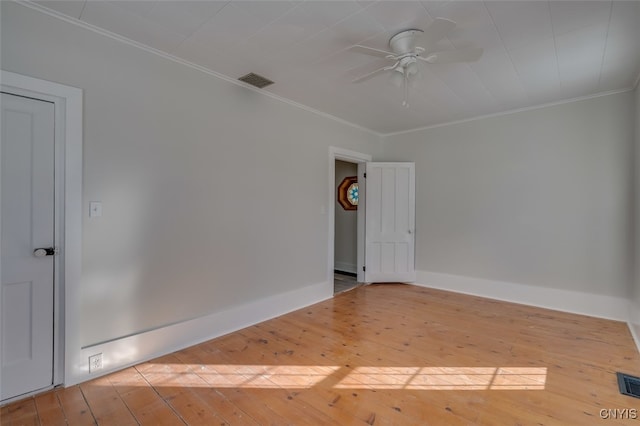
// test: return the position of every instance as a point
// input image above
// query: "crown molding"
(512, 111)
(173, 58)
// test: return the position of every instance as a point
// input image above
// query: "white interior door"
(390, 222)
(27, 223)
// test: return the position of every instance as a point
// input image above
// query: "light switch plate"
(95, 209)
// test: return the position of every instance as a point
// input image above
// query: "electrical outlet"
(95, 363)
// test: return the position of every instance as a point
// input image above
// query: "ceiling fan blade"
(370, 51)
(436, 31)
(470, 54)
(358, 74)
(369, 75)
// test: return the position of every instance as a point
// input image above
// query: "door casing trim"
(68, 216)
(360, 159)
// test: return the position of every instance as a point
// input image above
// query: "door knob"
(45, 251)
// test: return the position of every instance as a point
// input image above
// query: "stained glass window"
(352, 194)
(348, 193)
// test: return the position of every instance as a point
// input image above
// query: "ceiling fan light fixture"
(412, 67)
(397, 77)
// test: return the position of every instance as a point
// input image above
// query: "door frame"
(68, 210)
(361, 160)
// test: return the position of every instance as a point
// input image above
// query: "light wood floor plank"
(177, 385)
(21, 413)
(49, 409)
(105, 403)
(381, 354)
(143, 401)
(75, 407)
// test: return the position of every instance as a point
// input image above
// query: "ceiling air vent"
(256, 80)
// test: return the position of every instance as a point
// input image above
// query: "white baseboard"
(595, 305)
(131, 350)
(634, 323)
(345, 267)
(635, 333)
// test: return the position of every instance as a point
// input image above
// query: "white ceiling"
(536, 52)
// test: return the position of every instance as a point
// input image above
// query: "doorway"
(390, 189)
(62, 246)
(345, 226)
(28, 244)
(357, 160)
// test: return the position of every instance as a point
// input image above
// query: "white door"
(27, 223)
(390, 222)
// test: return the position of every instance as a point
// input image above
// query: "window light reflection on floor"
(238, 375)
(446, 378)
(305, 377)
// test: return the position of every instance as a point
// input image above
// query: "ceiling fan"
(408, 48)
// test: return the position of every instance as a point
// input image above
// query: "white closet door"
(27, 203)
(390, 222)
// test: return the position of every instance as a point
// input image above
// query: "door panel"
(17, 307)
(390, 222)
(27, 222)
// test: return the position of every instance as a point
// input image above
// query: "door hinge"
(364, 268)
(365, 175)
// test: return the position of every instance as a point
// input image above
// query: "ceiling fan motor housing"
(404, 42)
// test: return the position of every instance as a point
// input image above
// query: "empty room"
(320, 212)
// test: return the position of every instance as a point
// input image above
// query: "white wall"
(213, 195)
(540, 198)
(635, 302)
(346, 225)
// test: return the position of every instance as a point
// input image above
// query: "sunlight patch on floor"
(240, 376)
(305, 377)
(446, 378)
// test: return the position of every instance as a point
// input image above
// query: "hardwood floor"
(343, 282)
(380, 354)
